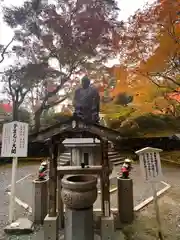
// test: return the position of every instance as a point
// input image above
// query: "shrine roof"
(72, 128)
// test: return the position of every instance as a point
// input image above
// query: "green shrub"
(146, 124)
(150, 121)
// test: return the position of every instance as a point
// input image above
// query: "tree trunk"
(37, 120)
(15, 111)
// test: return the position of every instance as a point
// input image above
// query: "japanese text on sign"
(150, 164)
(14, 139)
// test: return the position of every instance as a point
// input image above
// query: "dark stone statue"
(87, 102)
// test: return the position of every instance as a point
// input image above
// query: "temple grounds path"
(143, 225)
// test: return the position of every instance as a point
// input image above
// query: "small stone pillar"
(40, 200)
(79, 192)
(125, 200)
(75, 157)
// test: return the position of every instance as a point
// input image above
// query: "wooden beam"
(61, 128)
(53, 178)
(105, 183)
(78, 170)
(60, 204)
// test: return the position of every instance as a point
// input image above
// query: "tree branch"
(51, 94)
(55, 103)
(168, 78)
(5, 49)
(10, 88)
(22, 95)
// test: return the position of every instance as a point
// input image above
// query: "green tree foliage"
(50, 117)
(123, 99)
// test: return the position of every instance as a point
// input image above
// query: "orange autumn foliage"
(149, 49)
(162, 23)
(146, 45)
(120, 73)
(142, 90)
(151, 36)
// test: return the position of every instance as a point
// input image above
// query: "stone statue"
(87, 102)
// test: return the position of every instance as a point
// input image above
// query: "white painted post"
(151, 170)
(14, 144)
(156, 208)
(13, 190)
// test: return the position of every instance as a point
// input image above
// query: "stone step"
(115, 156)
(64, 157)
(64, 160)
(66, 153)
(117, 160)
(64, 163)
(113, 153)
(118, 163)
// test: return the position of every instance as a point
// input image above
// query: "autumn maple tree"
(72, 33)
(149, 50)
(154, 43)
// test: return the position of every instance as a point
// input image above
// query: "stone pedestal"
(107, 228)
(51, 228)
(79, 224)
(125, 200)
(79, 192)
(40, 200)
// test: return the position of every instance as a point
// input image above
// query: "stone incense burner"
(79, 191)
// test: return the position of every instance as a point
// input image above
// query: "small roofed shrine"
(75, 128)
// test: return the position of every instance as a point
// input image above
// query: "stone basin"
(79, 191)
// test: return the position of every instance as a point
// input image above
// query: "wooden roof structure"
(74, 127)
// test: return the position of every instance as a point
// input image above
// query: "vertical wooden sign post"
(150, 165)
(105, 180)
(14, 144)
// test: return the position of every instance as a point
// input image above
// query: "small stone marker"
(21, 226)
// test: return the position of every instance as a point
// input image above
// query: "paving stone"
(21, 226)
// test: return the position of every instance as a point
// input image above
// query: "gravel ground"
(142, 191)
(145, 227)
(5, 180)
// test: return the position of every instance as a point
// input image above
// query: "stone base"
(96, 237)
(40, 198)
(79, 224)
(21, 226)
(51, 228)
(107, 228)
(125, 200)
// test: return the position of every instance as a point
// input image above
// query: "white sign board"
(150, 164)
(14, 139)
